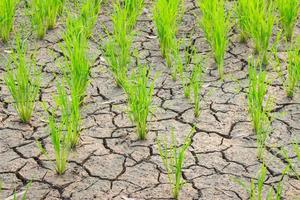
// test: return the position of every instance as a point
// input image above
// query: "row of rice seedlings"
(139, 90)
(216, 26)
(293, 70)
(166, 15)
(23, 80)
(256, 188)
(7, 16)
(118, 48)
(173, 157)
(258, 107)
(288, 13)
(89, 14)
(44, 15)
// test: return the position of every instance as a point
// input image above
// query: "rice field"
(149, 99)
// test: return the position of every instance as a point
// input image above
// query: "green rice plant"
(140, 91)
(134, 9)
(89, 14)
(290, 164)
(261, 21)
(77, 68)
(293, 69)
(7, 16)
(166, 16)
(216, 26)
(288, 10)
(118, 48)
(257, 107)
(196, 83)
(243, 13)
(256, 188)
(173, 157)
(44, 15)
(23, 80)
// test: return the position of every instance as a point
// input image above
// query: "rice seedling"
(77, 67)
(293, 69)
(118, 48)
(7, 16)
(134, 9)
(44, 15)
(257, 108)
(261, 21)
(290, 164)
(288, 10)
(256, 189)
(89, 13)
(196, 82)
(243, 13)
(216, 26)
(166, 16)
(140, 91)
(23, 80)
(173, 157)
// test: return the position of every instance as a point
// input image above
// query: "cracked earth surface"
(110, 163)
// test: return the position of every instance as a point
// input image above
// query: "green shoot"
(89, 13)
(216, 26)
(243, 13)
(256, 188)
(44, 15)
(118, 48)
(24, 193)
(140, 92)
(293, 69)
(134, 9)
(288, 10)
(261, 21)
(7, 16)
(23, 81)
(173, 160)
(77, 67)
(196, 82)
(166, 15)
(257, 109)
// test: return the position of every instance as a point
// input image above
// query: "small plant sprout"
(293, 71)
(7, 16)
(77, 66)
(44, 15)
(88, 14)
(258, 109)
(140, 91)
(288, 11)
(216, 26)
(166, 15)
(261, 23)
(173, 157)
(118, 48)
(196, 83)
(243, 14)
(23, 80)
(256, 188)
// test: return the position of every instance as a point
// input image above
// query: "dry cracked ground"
(110, 163)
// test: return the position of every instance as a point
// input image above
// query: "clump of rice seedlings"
(196, 83)
(44, 15)
(257, 107)
(216, 25)
(256, 188)
(7, 16)
(243, 14)
(173, 157)
(23, 80)
(166, 15)
(140, 91)
(118, 48)
(293, 69)
(134, 9)
(288, 10)
(89, 13)
(261, 21)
